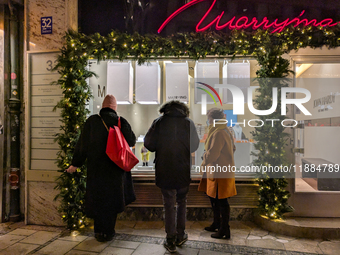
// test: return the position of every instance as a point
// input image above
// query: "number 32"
(49, 65)
(46, 23)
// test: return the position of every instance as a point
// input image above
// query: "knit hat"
(110, 102)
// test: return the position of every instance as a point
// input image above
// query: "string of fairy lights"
(266, 47)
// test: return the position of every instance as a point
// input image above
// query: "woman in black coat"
(105, 180)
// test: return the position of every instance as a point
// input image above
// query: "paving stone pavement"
(146, 238)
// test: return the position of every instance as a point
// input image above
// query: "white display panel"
(237, 74)
(177, 82)
(120, 81)
(97, 84)
(148, 83)
(206, 74)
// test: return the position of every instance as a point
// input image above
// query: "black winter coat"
(173, 137)
(105, 180)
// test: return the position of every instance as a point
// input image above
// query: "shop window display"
(317, 139)
(141, 115)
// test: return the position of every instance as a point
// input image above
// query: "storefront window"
(317, 137)
(179, 80)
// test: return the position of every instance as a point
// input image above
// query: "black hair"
(180, 106)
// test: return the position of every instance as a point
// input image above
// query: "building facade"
(37, 170)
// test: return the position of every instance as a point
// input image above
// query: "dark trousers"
(175, 219)
(219, 202)
(105, 223)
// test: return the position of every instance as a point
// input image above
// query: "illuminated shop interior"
(317, 137)
(140, 90)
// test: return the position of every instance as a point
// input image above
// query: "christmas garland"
(265, 46)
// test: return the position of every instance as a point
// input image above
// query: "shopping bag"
(118, 149)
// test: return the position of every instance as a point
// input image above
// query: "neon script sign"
(244, 22)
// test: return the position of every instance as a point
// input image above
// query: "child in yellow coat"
(145, 155)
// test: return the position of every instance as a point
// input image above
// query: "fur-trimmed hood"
(174, 108)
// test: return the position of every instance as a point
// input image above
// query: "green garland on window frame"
(266, 47)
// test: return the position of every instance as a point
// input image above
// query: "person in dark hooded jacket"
(106, 183)
(173, 137)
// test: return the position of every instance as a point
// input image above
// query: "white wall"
(323, 142)
(321, 80)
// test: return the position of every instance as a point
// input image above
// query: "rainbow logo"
(209, 93)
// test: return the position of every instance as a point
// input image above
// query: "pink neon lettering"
(307, 23)
(329, 21)
(184, 7)
(280, 26)
(251, 23)
(217, 19)
(241, 19)
(297, 20)
(264, 23)
(242, 22)
(228, 24)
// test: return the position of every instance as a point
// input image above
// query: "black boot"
(100, 237)
(217, 218)
(170, 244)
(143, 163)
(111, 225)
(224, 231)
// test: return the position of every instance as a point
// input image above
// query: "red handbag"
(118, 149)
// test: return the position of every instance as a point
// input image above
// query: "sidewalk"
(139, 238)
